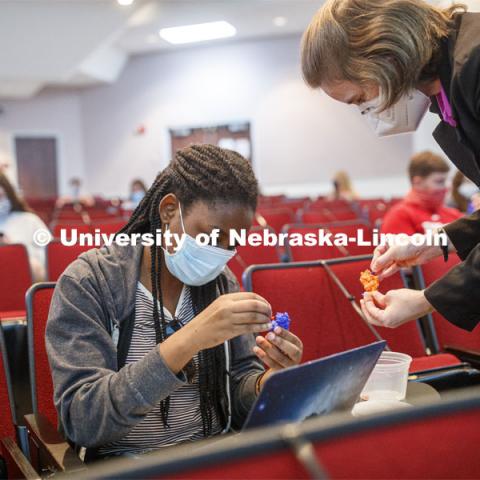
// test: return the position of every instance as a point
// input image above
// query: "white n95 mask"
(403, 117)
(195, 264)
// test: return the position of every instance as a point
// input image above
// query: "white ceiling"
(83, 42)
(73, 43)
(252, 18)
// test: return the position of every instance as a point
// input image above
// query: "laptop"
(314, 388)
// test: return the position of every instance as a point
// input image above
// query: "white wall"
(56, 114)
(300, 137)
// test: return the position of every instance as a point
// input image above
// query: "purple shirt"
(445, 108)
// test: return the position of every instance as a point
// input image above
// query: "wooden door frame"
(39, 134)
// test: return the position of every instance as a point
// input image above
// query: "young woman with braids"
(150, 347)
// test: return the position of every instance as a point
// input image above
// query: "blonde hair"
(390, 43)
(344, 188)
(342, 179)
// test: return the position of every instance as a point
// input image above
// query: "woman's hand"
(395, 308)
(229, 316)
(400, 252)
(277, 350)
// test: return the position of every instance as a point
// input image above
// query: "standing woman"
(395, 59)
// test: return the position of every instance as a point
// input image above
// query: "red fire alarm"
(141, 129)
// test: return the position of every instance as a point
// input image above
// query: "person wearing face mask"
(395, 59)
(164, 348)
(423, 208)
(137, 192)
(18, 224)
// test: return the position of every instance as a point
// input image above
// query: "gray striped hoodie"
(96, 402)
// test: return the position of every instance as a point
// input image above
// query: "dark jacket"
(94, 297)
(456, 295)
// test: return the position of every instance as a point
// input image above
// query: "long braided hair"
(198, 173)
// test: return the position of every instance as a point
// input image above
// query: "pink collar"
(445, 108)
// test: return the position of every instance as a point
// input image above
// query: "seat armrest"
(50, 450)
(17, 464)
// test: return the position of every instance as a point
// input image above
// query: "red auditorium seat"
(275, 218)
(79, 227)
(68, 215)
(270, 200)
(330, 204)
(352, 229)
(15, 279)
(17, 466)
(296, 203)
(59, 257)
(327, 215)
(100, 215)
(349, 228)
(304, 290)
(304, 253)
(38, 300)
(448, 335)
(249, 255)
(406, 338)
(7, 413)
(321, 314)
(367, 202)
(50, 448)
(319, 216)
(107, 227)
(436, 441)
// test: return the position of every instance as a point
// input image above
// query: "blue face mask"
(5, 207)
(136, 197)
(195, 264)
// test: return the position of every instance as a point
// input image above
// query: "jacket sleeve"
(464, 233)
(455, 295)
(246, 367)
(96, 404)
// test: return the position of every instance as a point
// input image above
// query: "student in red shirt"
(423, 208)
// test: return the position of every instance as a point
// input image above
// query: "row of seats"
(32, 446)
(435, 441)
(322, 316)
(281, 213)
(276, 211)
(106, 227)
(49, 212)
(249, 255)
(321, 298)
(330, 444)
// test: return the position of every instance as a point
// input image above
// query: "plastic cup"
(389, 378)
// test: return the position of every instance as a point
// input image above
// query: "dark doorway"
(37, 166)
